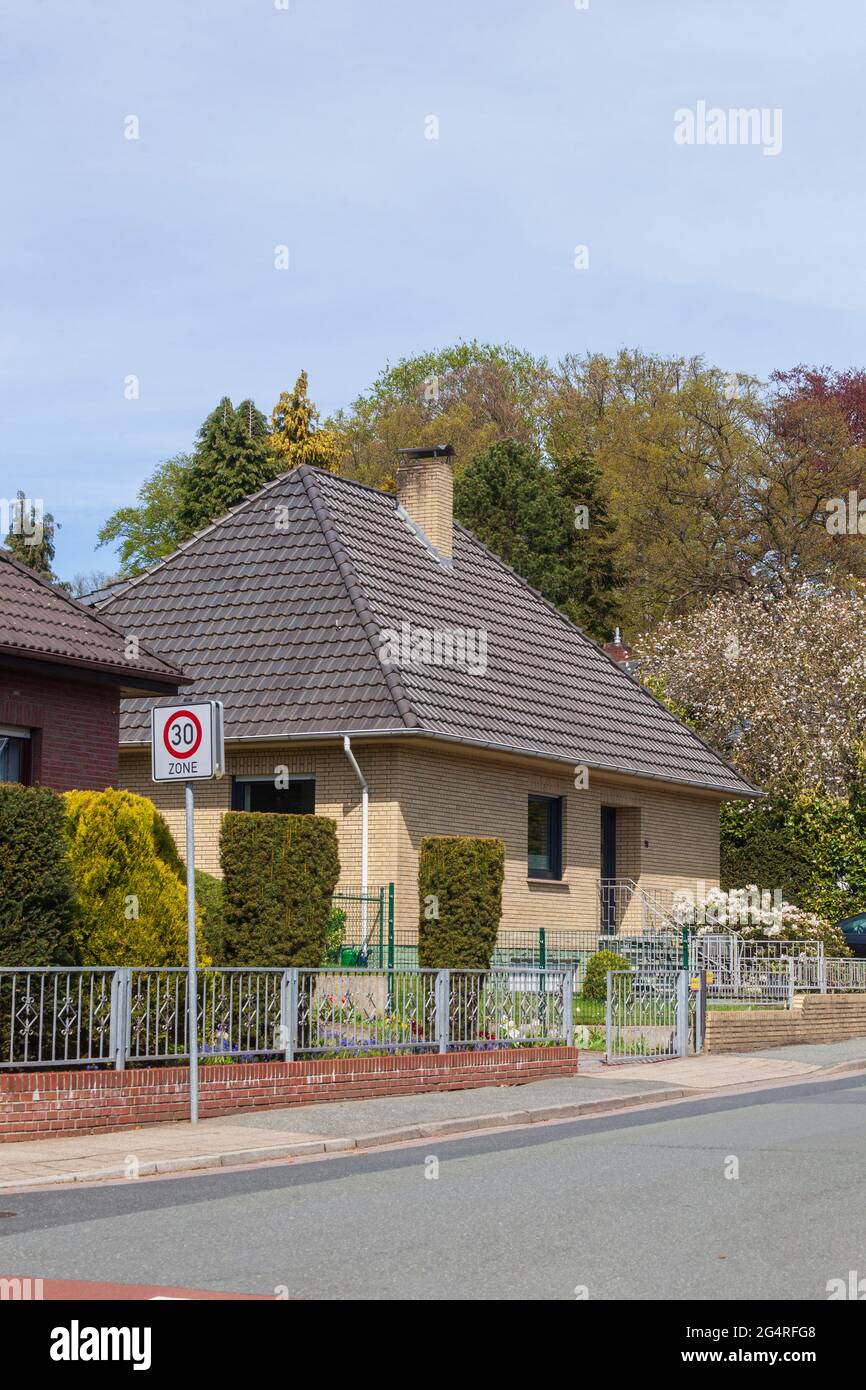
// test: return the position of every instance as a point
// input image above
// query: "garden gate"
(651, 1015)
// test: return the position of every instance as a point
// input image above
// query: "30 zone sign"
(187, 742)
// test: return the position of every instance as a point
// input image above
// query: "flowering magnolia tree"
(777, 684)
(754, 915)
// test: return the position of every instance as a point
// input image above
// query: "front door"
(608, 868)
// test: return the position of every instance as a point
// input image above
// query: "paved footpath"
(302, 1131)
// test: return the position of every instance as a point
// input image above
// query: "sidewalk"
(346, 1125)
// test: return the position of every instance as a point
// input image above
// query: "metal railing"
(772, 972)
(754, 972)
(630, 908)
(138, 1016)
(640, 920)
(829, 975)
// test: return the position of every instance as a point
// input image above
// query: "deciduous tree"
(152, 528)
(775, 682)
(470, 395)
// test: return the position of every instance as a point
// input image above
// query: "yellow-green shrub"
(131, 904)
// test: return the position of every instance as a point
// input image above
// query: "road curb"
(429, 1129)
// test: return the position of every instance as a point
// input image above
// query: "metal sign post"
(192, 973)
(187, 745)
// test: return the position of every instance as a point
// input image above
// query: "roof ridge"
(124, 585)
(350, 482)
(197, 535)
(92, 615)
(563, 617)
(356, 593)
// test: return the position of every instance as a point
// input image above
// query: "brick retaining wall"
(34, 1105)
(815, 1018)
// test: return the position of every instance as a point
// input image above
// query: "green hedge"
(811, 846)
(37, 895)
(460, 897)
(209, 902)
(595, 979)
(279, 875)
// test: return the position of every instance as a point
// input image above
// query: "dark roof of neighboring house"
(98, 596)
(39, 622)
(279, 610)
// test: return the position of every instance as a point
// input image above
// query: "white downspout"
(365, 834)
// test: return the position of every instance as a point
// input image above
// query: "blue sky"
(262, 126)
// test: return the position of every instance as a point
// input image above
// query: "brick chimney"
(617, 649)
(425, 492)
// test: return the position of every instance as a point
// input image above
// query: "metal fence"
(756, 972)
(365, 935)
(772, 972)
(87, 1017)
(633, 921)
(648, 1015)
(829, 975)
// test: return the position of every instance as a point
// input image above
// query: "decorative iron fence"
(130, 1016)
(68, 1015)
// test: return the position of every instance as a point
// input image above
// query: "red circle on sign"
(182, 714)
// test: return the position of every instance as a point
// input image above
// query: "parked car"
(855, 932)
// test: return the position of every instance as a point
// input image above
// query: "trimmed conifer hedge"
(131, 907)
(37, 895)
(279, 876)
(460, 891)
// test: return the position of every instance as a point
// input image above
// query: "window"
(263, 794)
(544, 837)
(14, 755)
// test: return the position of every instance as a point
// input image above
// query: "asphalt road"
(629, 1207)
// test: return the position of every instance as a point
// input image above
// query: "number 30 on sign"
(187, 742)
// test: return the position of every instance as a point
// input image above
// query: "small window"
(264, 794)
(15, 755)
(544, 837)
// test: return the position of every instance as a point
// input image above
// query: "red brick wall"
(34, 1105)
(78, 728)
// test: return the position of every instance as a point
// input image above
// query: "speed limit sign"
(187, 742)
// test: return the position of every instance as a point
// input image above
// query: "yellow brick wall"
(338, 795)
(425, 489)
(667, 838)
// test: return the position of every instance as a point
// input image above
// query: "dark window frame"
(553, 806)
(25, 760)
(240, 782)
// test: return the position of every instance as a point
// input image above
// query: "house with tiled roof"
(63, 672)
(379, 665)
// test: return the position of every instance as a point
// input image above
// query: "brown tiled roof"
(279, 610)
(39, 622)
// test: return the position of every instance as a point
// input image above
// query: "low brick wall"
(35, 1105)
(815, 1018)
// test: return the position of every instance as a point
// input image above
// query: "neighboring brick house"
(63, 671)
(321, 608)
